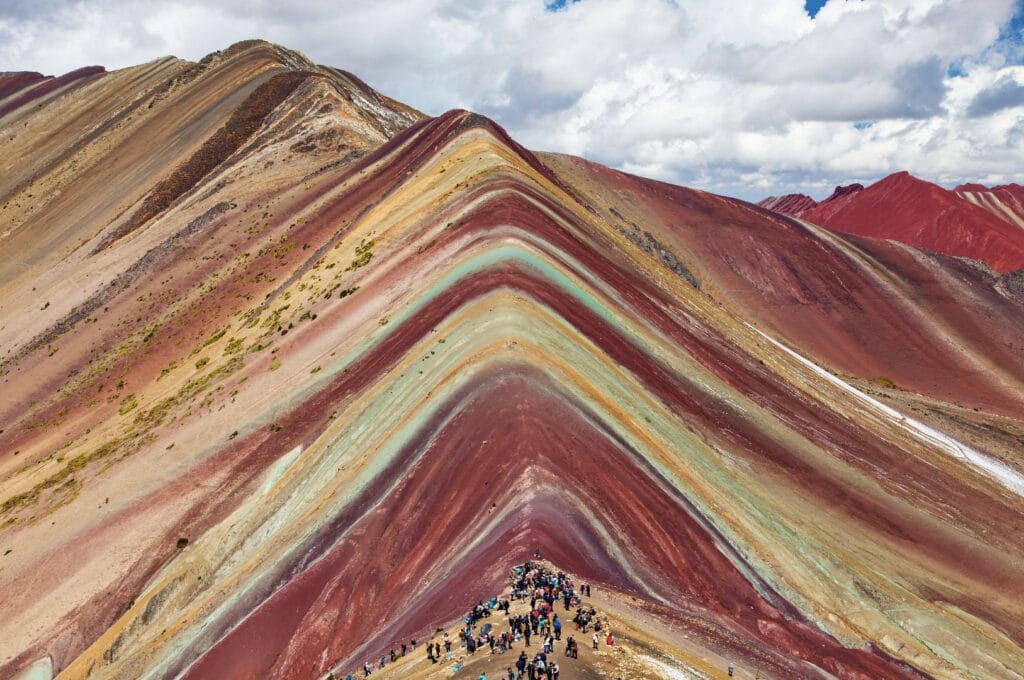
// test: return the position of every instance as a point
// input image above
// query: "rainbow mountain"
(292, 371)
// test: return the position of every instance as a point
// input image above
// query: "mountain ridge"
(968, 223)
(351, 373)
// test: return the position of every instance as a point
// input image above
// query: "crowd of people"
(489, 627)
(545, 590)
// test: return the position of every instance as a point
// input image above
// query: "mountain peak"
(905, 208)
(293, 374)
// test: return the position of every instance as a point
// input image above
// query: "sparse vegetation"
(233, 347)
(364, 253)
(215, 337)
(127, 404)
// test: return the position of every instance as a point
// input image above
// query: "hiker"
(553, 670)
(610, 639)
(382, 657)
(366, 669)
(403, 649)
(447, 643)
(510, 674)
(595, 640)
(556, 624)
(483, 676)
(731, 669)
(520, 665)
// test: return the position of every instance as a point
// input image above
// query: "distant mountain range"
(972, 221)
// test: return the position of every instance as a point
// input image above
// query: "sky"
(742, 97)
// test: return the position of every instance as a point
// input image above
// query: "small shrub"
(202, 362)
(127, 404)
(215, 337)
(234, 345)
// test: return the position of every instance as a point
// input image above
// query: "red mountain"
(1005, 202)
(987, 226)
(789, 204)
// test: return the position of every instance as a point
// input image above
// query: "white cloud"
(740, 96)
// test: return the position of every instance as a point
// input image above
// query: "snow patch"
(994, 469)
(669, 672)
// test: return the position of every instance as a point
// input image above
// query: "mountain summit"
(294, 375)
(971, 221)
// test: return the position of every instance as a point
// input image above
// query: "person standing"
(556, 625)
(553, 670)
(731, 669)
(595, 640)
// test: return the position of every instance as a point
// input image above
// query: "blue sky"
(812, 6)
(744, 97)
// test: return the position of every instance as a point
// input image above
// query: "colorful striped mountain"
(291, 371)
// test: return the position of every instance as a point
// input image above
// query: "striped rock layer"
(291, 371)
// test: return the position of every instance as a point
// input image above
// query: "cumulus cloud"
(744, 97)
(1004, 94)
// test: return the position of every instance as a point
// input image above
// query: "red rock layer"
(40, 87)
